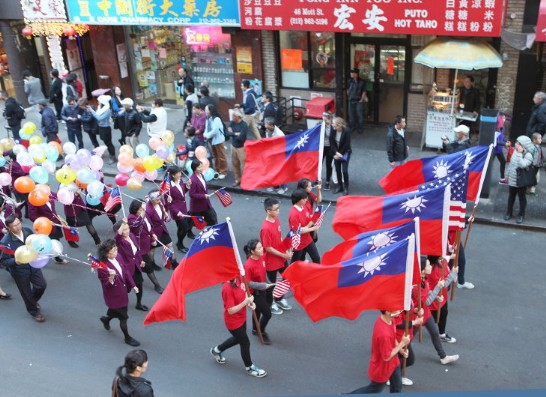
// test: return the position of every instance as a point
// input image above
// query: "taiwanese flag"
(199, 221)
(379, 280)
(274, 161)
(431, 206)
(478, 161)
(377, 239)
(211, 260)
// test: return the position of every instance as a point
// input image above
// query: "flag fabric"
(165, 187)
(113, 200)
(71, 234)
(281, 287)
(377, 239)
(478, 161)
(96, 263)
(211, 260)
(316, 214)
(275, 161)
(379, 280)
(167, 257)
(199, 222)
(431, 206)
(292, 239)
(457, 205)
(6, 250)
(318, 222)
(225, 197)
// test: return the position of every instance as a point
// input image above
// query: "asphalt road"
(498, 327)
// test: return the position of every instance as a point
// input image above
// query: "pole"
(419, 307)
(470, 225)
(456, 260)
(406, 332)
(440, 292)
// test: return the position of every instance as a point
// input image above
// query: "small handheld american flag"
(292, 239)
(7, 250)
(281, 288)
(165, 187)
(167, 257)
(113, 200)
(225, 197)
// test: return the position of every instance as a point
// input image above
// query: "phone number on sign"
(308, 21)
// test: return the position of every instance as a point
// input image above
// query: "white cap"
(127, 101)
(462, 129)
(104, 99)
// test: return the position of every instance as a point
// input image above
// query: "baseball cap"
(127, 101)
(462, 129)
(42, 102)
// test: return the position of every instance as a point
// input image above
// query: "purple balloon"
(72, 161)
(84, 156)
(39, 262)
(162, 152)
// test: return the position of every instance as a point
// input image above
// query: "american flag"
(97, 264)
(318, 222)
(457, 205)
(165, 187)
(6, 250)
(167, 257)
(224, 197)
(113, 200)
(199, 222)
(292, 239)
(281, 287)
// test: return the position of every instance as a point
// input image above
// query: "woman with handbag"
(520, 176)
(340, 147)
(132, 383)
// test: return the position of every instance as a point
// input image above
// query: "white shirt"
(132, 245)
(20, 236)
(117, 266)
(159, 211)
(148, 226)
(158, 127)
(400, 132)
(177, 184)
(202, 180)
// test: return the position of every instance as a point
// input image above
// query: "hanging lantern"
(27, 32)
(70, 32)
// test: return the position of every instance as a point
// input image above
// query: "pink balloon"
(5, 179)
(138, 176)
(65, 196)
(121, 179)
(201, 152)
(154, 143)
(96, 163)
(125, 168)
(206, 164)
(27, 168)
(151, 176)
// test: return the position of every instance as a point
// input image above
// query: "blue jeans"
(73, 134)
(376, 388)
(356, 114)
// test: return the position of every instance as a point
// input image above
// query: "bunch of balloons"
(133, 171)
(201, 154)
(39, 247)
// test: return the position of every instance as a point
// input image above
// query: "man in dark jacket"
(56, 92)
(397, 149)
(13, 113)
(461, 142)
(30, 281)
(537, 121)
(50, 127)
(133, 123)
(250, 108)
(72, 115)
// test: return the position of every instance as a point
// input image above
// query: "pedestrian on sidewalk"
(89, 122)
(118, 112)
(397, 147)
(50, 127)
(191, 99)
(131, 383)
(103, 114)
(237, 131)
(340, 148)
(250, 108)
(155, 119)
(132, 124)
(33, 88)
(214, 132)
(13, 113)
(235, 298)
(327, 129)
(357, 98)
(538, 160)
(522, 158)
(537, 120)
(501, 143)
(56, 93)
(72, 115)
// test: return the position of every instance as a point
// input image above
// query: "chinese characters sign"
(44, 10)
(153, 12)
(426, 17)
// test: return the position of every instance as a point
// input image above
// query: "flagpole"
(456, 260)
(242, 271)
(122, 206)
(321, 154)
(470, 222)
(405, 348)
(439, 293)
(419, 307)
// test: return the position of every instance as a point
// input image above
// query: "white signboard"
(438, 125)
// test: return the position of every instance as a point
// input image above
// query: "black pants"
(31, 286)
(51, 137)
(342, 172)
(58, 103)
(411, 357)
(263, 309)
(93, 137)
(443, 318)
(15, 128)
(520, 192)
(182, 227)
(311, 249)
(376, 387)
(272, 277)
(105, 134)
(209, 215)
(238, 337)
(327, 156)
(502, 161)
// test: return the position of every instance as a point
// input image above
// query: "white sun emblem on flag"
(207, 235)
(441, 169)
(382, 240)
(468, 159)
(302, 141)
(414, 204)
(371, 265)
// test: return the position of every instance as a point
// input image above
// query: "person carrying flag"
(175, 202)
(157, 216)
(300, 218)
(313, 200)
(199, 197)
(77, 215)
(276, 254)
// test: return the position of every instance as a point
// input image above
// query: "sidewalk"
(367, 166)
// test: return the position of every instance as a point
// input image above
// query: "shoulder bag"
(526, 177)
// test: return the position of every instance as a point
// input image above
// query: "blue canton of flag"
(457, 205)
(305, 141)
(167, 257)
(165, 187)
(113, 200)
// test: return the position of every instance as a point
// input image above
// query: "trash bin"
(315, 107)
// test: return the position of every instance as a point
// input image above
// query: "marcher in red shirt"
(235, 300)
(313, 200)
(276, 253)
(300, 217)
(384, 362)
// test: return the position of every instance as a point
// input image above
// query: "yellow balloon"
(40, 159)
(126, 149)
(35, 140)
(29, 127)
(25, 254)
(65, 175)
(172, 157)
(7, 143)
(167, 137)
(29, 239)
(158, 163)
(133, 184)
(148, 163)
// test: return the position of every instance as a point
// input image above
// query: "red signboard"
(426, 17)
(541, 23)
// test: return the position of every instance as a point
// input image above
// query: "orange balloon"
(139, 167)
(206, 164)
(43, 188)
(37, 198)
(42, 225)
(81, 185)
(57, 145)
(24, 184)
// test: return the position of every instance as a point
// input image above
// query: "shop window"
(323, 60)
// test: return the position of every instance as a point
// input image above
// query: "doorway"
(383, 67)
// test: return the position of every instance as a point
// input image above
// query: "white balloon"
(56, 247)
(19, 149)
(49, 166)
(70, 148)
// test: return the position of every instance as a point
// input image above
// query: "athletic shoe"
(132, 341)
(449, 359)
(266, 339)
(275, 309)
(448, 339)
(221, 176)
(466, 285)
(327, 186)
(217, 355)
(283, 304)
(281, 191)
(270, 189)
(253, 370)
(405, 382)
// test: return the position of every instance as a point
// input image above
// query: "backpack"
(20, 112)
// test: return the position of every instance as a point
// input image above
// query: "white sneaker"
(217, 355)
(270, 189)
(275, 309)
(466, 285)
(281, 191)
(221, 176)
(448, 339)
(407, 382)
(449, 359)
(284, 305)
(253, 370)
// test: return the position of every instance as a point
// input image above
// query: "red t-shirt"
(271, 236)
(433, 279)
(311, 200)
(400, 323)
(255, 270)
(425, 288)
(232, 296)
(298, 218)
(383, 341)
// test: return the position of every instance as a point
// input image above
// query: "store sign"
(541, 22)
(153, 12)
(425, 17)
(44, 10)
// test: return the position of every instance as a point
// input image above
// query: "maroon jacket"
(178, 203)
(115, 295)
(72, 210)
(51, 214)
(158, 224)
(140, 230)
(198, 200)
(131, 260)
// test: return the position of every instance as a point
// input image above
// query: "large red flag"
(274, 161)
(211, 260)
(374, 281)
(358, 214)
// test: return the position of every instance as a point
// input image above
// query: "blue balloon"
(39, 174)
(142, 150)
(188, 168)
(51, 152)
(42, 244)
(2, 161)
(85, 175)
(92, 200)
(209, 174)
